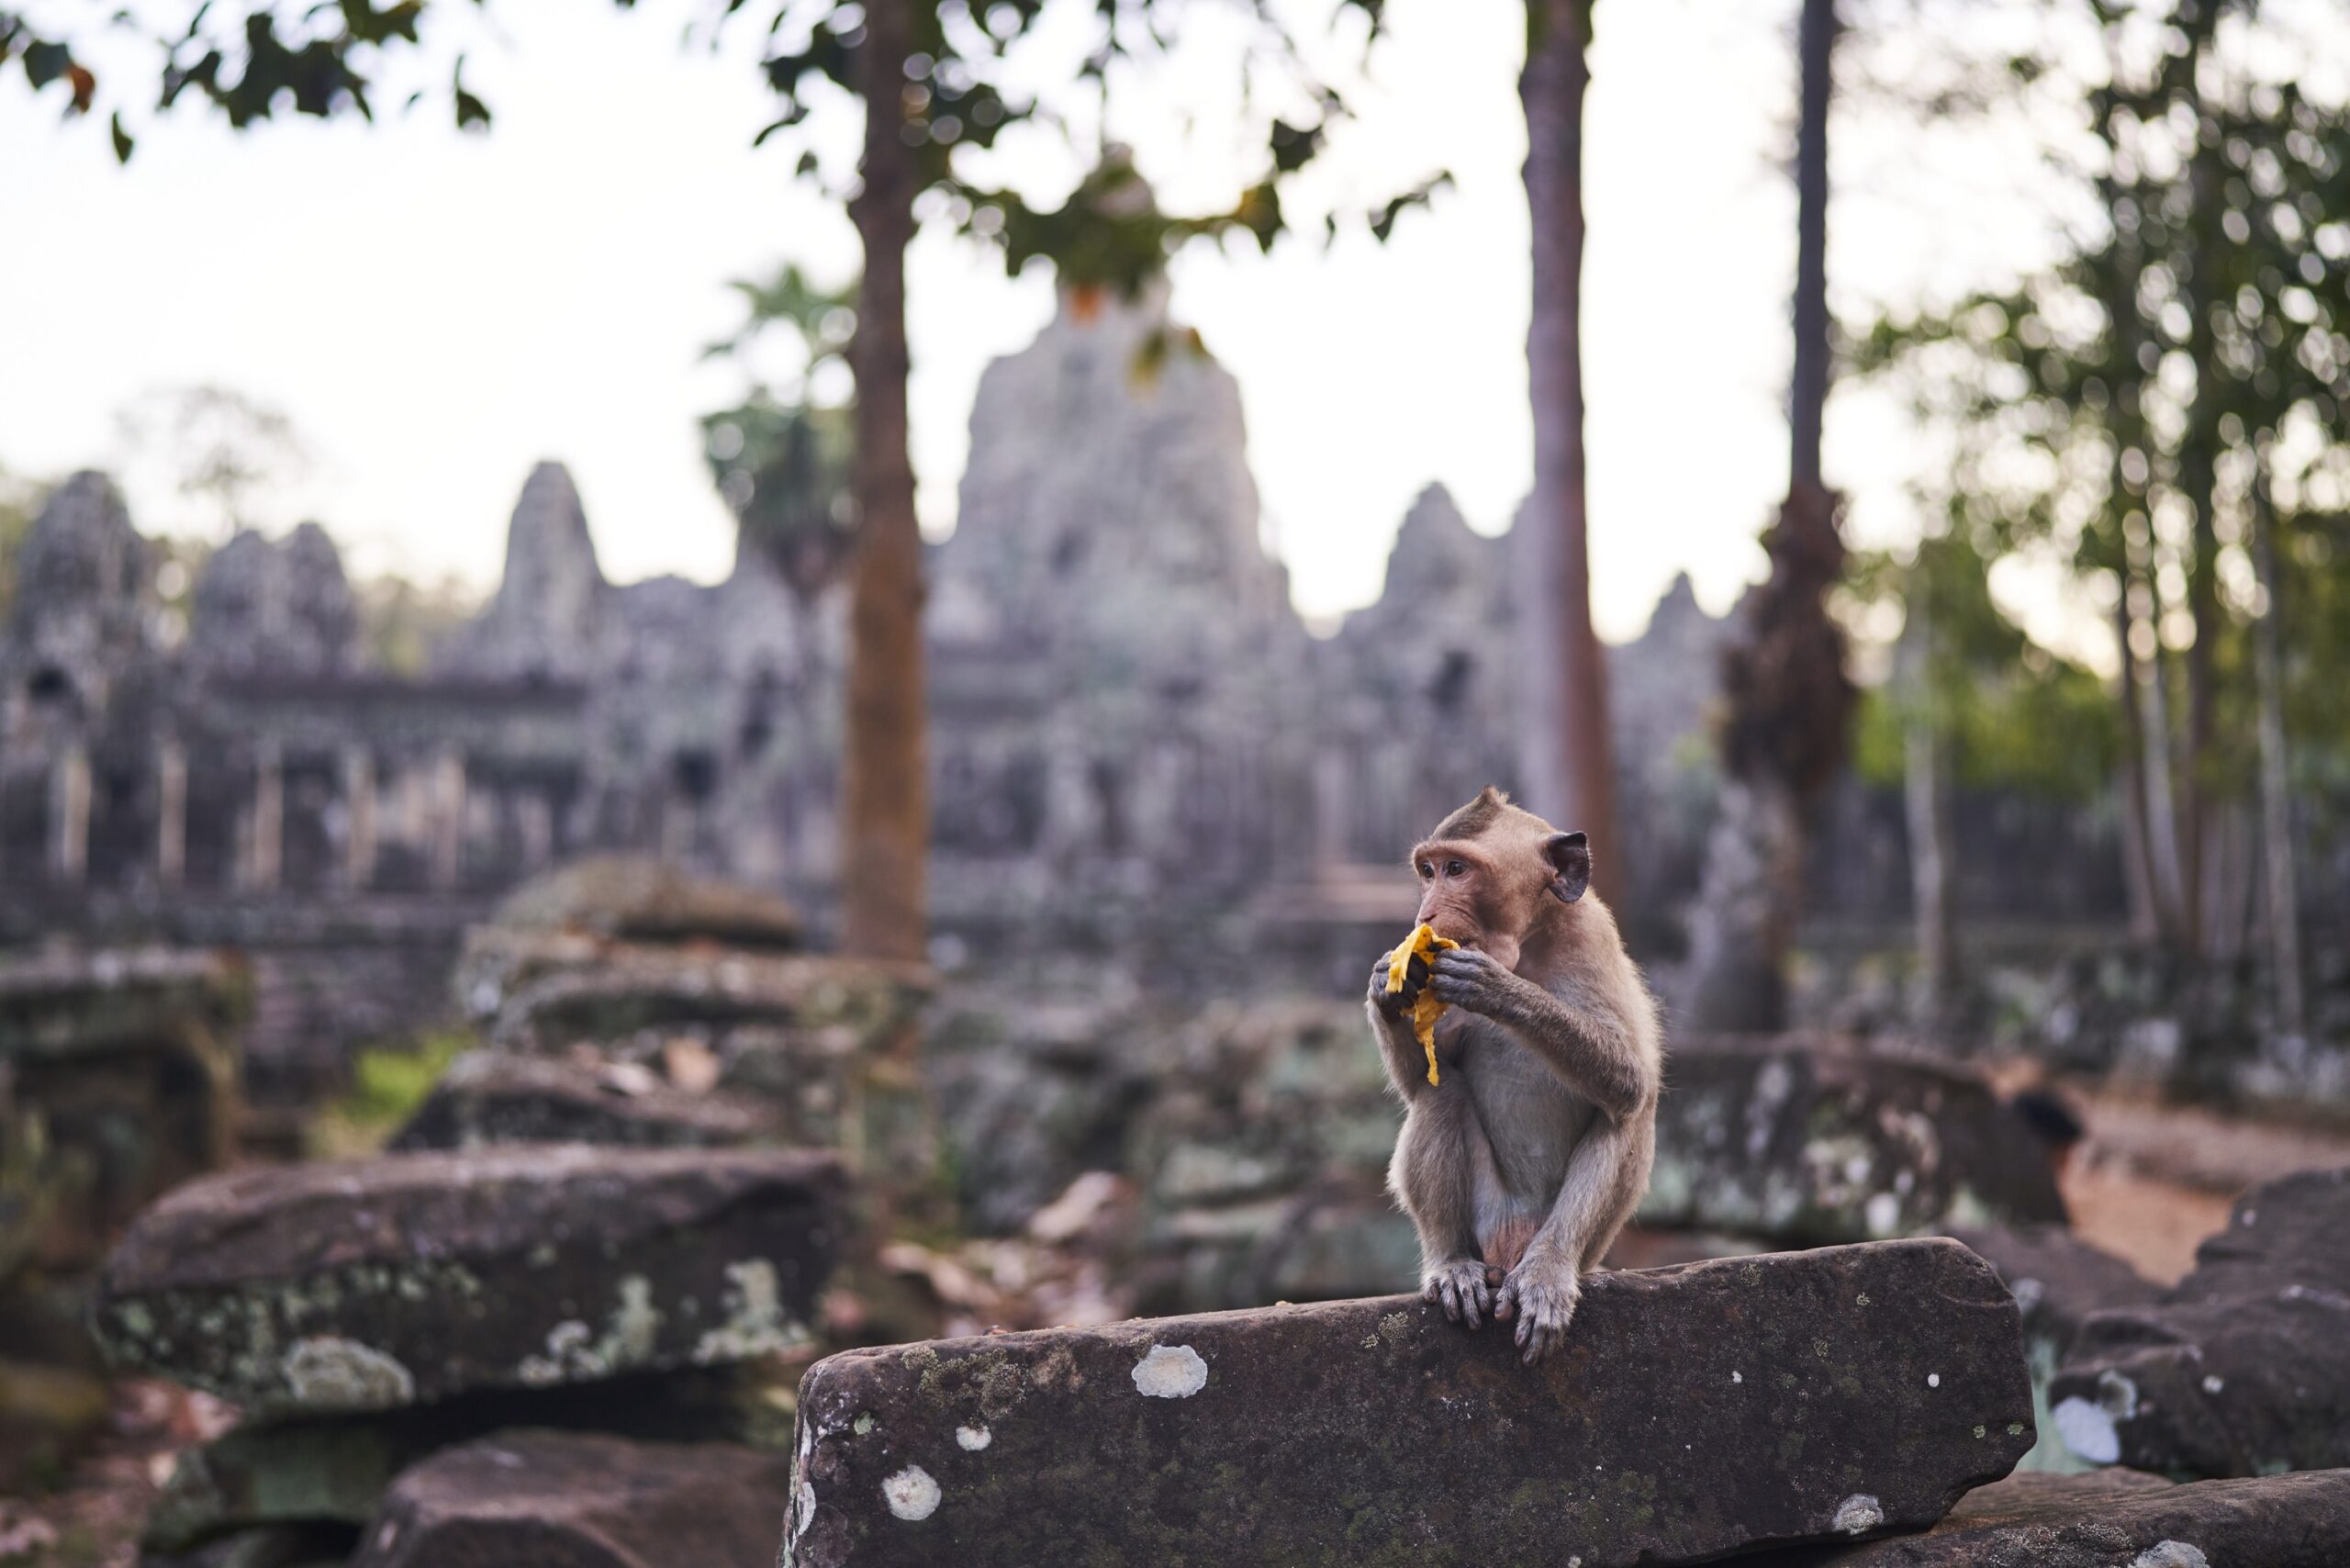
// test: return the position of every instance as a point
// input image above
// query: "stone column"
(267, 851)
(1333, 792)
(447, 817)
(359, 816)
(69, 815)
(170, 812)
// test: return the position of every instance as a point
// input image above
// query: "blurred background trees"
(2157, 418)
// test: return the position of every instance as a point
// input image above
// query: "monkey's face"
(1487, 888)
(1473, 896)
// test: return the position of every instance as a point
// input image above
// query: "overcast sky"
(436, 311)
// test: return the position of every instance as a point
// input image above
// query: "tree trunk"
(1551, 89)
(2275, 803)
(1808, 401)
(1925, 784)
(885, 821)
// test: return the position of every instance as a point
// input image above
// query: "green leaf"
(122, 140)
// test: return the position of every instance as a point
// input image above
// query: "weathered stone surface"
(118, 1074)
(2118, 1519)
(2059, 1281)
(625, 991)
(1695, 1411)
(373, 1285)
(336, 1469)
(534, 1499)
(1804, 1141)
(633, 898)
(489, 1097)
(2244, 1369)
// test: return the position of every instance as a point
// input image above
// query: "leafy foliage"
(781, 459)
(2134, 412)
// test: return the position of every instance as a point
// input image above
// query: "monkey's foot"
(1541, 1297)
(1460, 1288)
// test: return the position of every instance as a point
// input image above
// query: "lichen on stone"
(330, 1373)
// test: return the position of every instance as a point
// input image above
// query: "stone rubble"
(2243, 1368)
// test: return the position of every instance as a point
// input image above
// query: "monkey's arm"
(1580, 1036)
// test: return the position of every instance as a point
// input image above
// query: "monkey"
(1522, 1162)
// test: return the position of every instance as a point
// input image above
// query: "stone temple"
(1134, 735)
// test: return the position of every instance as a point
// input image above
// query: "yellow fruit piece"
(1424, 943)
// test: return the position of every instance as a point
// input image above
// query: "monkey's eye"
(1427, 871)
(1454, 867)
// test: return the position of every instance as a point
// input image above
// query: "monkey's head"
(1493, 871)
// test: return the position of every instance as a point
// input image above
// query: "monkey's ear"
(1570, 858)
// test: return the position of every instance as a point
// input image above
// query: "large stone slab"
(2243, 1368)
(374, 1284)
(488, 1098)
(534, 1499)
(2117, 1518)
(638, 899)
(1807, 1141)
(1695, 1411)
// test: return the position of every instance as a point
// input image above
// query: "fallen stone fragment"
(1695, 1411)
(2117, 1518)
(266, 1546)
(379, 1284)
(335, 1469)
(488, 1098)
(639, 899)
(536, 1499)
(2059, 1281)
(1804, 1141)
(2244, 1369)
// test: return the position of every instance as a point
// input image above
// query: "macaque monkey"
(1520, 1165)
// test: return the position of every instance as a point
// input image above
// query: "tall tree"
(932, 78)
(1789, 698)
(1573, 762)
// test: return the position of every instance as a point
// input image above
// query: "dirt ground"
(2151, 1181)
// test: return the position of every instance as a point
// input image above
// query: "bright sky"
(436, 311)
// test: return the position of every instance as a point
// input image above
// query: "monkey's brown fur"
(1521, 1166)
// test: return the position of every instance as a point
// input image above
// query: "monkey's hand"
(1462, 1288)
(1393, 1005)
(1473, 981)
(1542, 1294)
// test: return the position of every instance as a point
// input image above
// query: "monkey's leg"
(1436, 1174)
(1605, 1176)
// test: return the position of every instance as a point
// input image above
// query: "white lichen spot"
(863, 1423)
(327, 1373)
(2014, 1429)
(971, 1439)
(2213, 1385)
(1883, 1214)
(756, 1323)
(2171, 1555)
(1981, 1430)
(1858, 1514)
(2088, 1429)
(1170, 1372)
(911, 1494)
(1933, 1379)
(1735, 1377)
